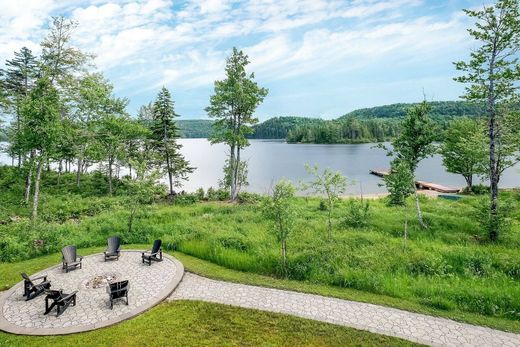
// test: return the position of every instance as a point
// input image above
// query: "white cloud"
(143, 44)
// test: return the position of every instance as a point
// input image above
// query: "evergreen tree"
(164, 140)
(18, 79)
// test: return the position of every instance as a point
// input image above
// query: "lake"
(270, 161)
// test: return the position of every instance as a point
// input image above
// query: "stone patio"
(149, 285)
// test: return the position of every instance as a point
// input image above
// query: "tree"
(18, 79)
(164, 140)
(328, 183)
(141, 190)
(413, 144)
(464, 149)
(60, 60)
(279, 208)
(233, 104)
(399, 182)
(40, 113)
(492, 75)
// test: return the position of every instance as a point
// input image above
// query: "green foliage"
(358, 213)
(279, 209)
(195, 128)
(164, 140)
(440, 110)
(233, 104)
(464, 149)
(491, 77)
(500, 222)
(279, 127)
(328, 183)
(399, 182)
(217, 194)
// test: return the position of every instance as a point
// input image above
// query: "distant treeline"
(364, 125)
(195, 128)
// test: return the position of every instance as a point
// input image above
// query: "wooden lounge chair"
(113, 248)
(31, 289)
(118, 290)
(70, 258)
(59, 300)
(154, 255)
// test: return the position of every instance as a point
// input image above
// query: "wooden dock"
(420, 184)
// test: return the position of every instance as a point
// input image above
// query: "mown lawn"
(186, 323)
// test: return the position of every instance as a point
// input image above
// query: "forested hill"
(379, 123)
(439, 109)
(195, 128)
(273, 128)
(278, 127)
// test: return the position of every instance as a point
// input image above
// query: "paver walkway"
(378, 319)
(149, 285)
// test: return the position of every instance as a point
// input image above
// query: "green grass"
(185, 323)
(449, 270)
(10, 275)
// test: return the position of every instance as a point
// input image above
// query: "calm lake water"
(270, 161)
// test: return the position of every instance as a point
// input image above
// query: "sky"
(318, 58)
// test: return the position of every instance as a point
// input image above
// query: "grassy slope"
(186, 323)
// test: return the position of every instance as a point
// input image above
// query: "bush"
(200, 194)
(323, 205)
(218, 194)
(358, 213)
(500, 222)
(185, 199)
(249, 198)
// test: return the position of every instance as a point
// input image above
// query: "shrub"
(218, 194)
(185, 199)
(358, 213)
(200, 194)
(249, 198)
(500, 222)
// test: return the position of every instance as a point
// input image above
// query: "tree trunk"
(236, 176)
(493, 169)
(418, 208)
(232, 172)
(110, 188)
(329, 225)
(78, 172)
(36, 197)
(60, 168)
(28, 179)
(170, 175)
(284, 256)
(469, 183)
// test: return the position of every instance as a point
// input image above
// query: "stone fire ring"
(149, 285)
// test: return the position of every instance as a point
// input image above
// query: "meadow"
(449, 269)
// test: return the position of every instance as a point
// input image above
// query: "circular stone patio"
(149, 285)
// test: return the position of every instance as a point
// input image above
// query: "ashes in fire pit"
(100, 281)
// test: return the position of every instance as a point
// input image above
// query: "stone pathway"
(378, 319)
(149, 285)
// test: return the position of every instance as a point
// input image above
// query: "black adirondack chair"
(118, 290)
(59, 300)
(154, 255)
(70, 258)
(31, 289)
(113, 248)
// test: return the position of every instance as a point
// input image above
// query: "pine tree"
(164, 140)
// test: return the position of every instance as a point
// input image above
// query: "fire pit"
(100, 281)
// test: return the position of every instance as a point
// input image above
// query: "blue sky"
(318, 58)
